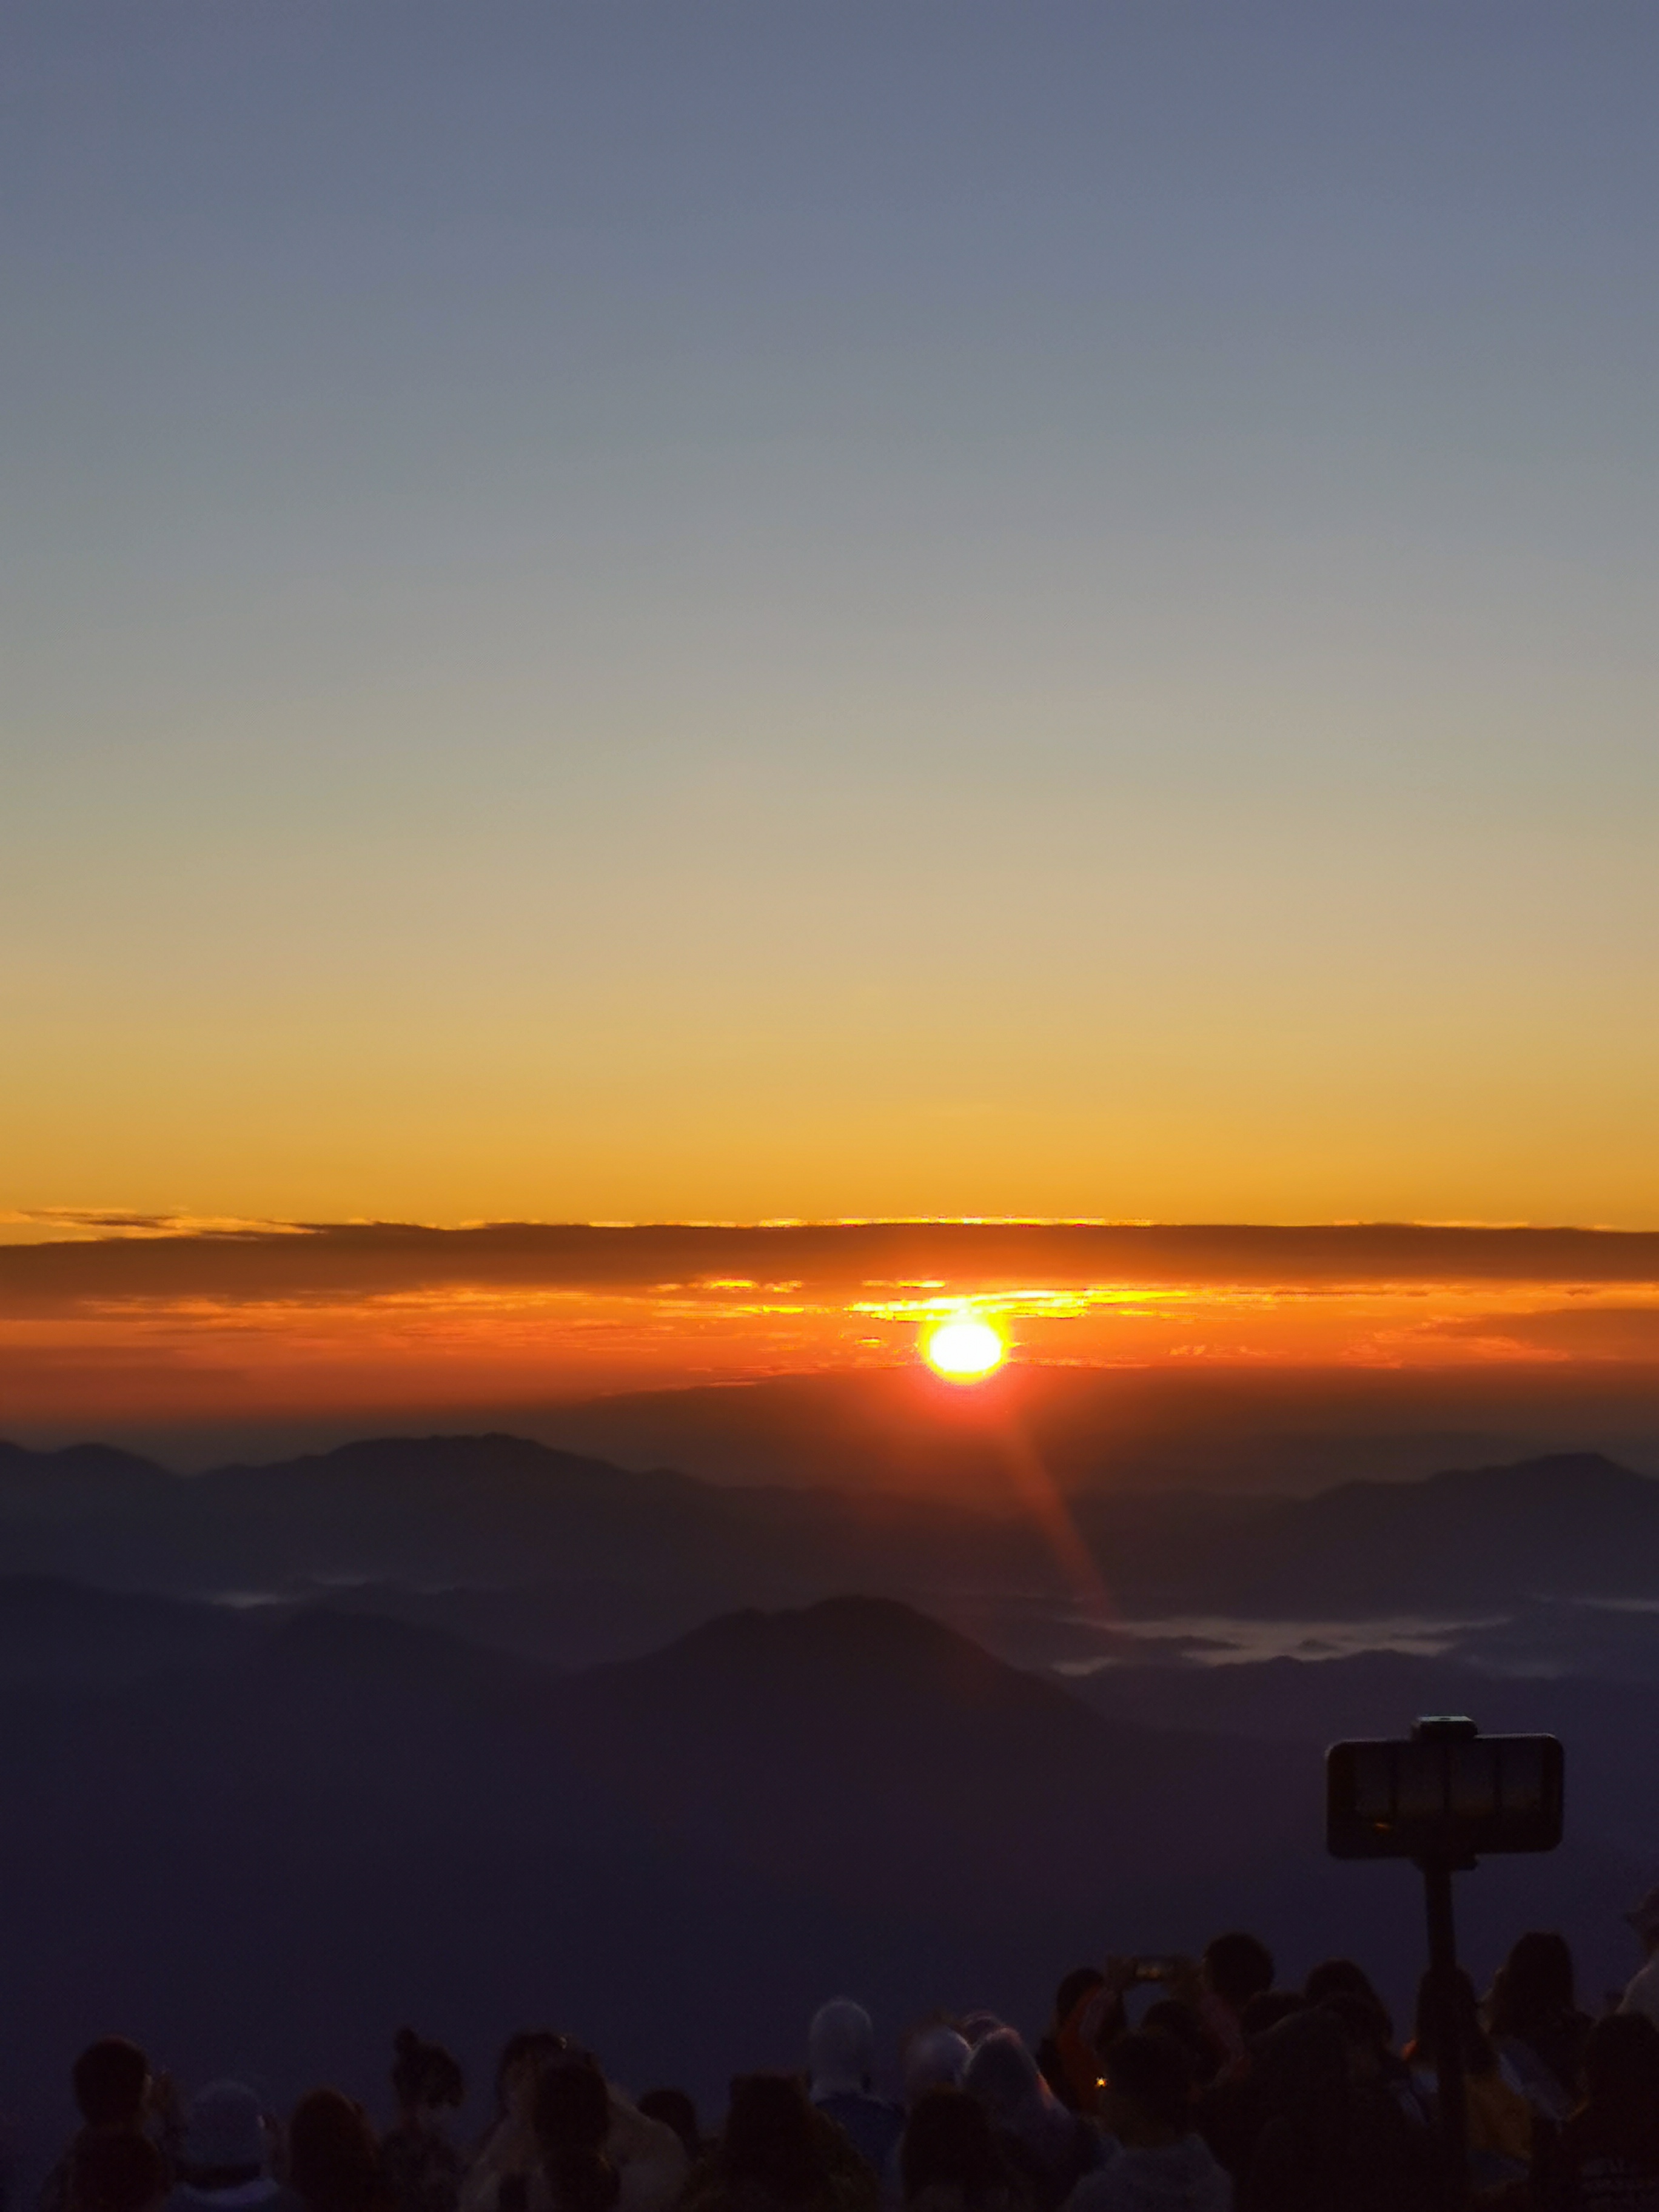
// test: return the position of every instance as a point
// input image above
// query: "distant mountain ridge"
(1255, 1432)
(449, 1520)
(77, 1476)
(1568, 1523)
(453, 1511)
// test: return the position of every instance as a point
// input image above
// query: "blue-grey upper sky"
(713, 609)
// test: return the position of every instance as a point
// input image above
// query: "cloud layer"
(132, 1322)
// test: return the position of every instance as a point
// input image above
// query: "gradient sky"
(648, 611)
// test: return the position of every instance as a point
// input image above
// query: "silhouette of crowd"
(1226, 2092)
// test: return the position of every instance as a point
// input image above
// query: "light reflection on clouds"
(380, 1311)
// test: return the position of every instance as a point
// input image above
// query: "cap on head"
(936, 2060)
(841, 2048)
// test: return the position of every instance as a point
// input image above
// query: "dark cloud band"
(346, 1260)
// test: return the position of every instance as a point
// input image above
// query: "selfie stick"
(1443, 1798)
(1438, 1869)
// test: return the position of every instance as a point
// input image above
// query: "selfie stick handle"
(1448, 2032)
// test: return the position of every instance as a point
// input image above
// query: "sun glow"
(965, 1348)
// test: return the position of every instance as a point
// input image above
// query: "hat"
(936, 2060)
(226, 2130)
(841, 2049)
(1644, 1918)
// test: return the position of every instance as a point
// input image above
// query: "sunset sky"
(154, 1331)
(736, 612)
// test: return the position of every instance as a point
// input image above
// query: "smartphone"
(1157, 1969)
(1445, 1792)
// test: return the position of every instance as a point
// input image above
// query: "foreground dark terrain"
(508, 1737)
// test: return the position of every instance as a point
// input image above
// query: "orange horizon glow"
(378, 1322)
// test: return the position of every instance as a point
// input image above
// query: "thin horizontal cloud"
(149, 1320)
(87, 1223)
(1594, 1332)
(137, 1256)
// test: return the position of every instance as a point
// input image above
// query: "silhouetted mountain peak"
(1551, 1474)
(1568, 1524)
(493, 1458)
(91, 1465)
(842, 1628)
(866, 1663)
(82, 1485)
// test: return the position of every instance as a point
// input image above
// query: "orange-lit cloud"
(136, 1318)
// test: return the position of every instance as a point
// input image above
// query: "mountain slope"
(1572, 1524)
(266, 1858)
(861, 1750)
(79, 1479)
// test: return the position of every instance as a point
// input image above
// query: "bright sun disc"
(962, 1351)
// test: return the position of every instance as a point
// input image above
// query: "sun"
(964, 1349)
